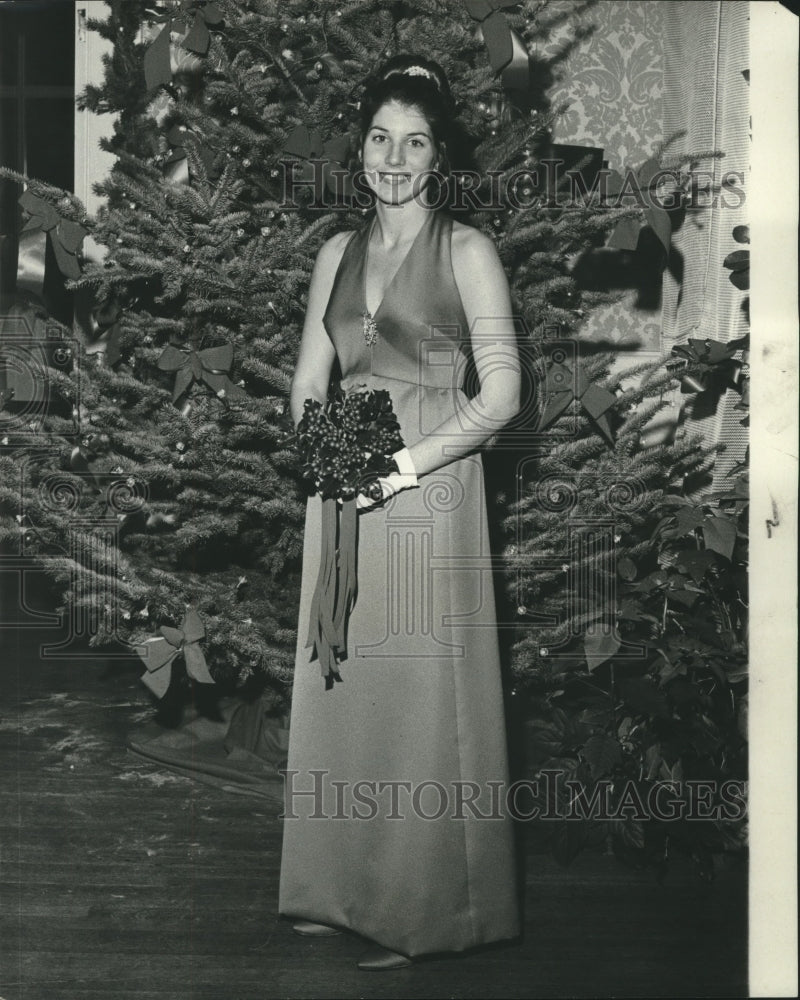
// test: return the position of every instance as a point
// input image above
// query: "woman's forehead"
(400, 115)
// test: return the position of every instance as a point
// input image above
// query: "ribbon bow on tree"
(210, 366)
(305, 145)
(158, 652)
(562, 385)
(507, 52)
(157, 68)
(715, 367)
(65, 238)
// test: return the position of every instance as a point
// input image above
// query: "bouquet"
(344, 445)
(348, 442)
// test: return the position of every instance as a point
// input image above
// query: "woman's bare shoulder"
(332, 250)
(471, 250)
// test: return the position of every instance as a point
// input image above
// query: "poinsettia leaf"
(719, 534)
(684, 597)
(599, 648)
(643, 696)
(737, 260)
(740, 280)
(602, 752)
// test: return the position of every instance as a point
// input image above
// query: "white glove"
(405, 479)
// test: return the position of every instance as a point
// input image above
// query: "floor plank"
(121, 881)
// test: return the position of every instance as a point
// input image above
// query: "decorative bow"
(507, 52)
(158, 652)
(716, 367)
(562, 385)
(210, 366)
(157, 70)
(305, 145)
(65, 238)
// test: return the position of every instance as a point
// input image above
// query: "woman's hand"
(404, 479)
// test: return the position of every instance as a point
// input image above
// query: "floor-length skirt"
(395, 823)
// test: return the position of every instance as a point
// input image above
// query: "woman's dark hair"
(420, 83)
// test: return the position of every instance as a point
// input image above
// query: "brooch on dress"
(370, 329)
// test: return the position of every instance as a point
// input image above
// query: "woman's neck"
(398, 225)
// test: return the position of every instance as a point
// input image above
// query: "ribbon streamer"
(336, 589)
(106, 331)
(562, 385)
(158, 652)
(210, 366)
(65, 238)
(507, 53)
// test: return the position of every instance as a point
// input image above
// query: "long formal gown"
(419, 708)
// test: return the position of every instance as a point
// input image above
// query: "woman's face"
(398, 152)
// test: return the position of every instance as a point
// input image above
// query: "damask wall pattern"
(612, 83)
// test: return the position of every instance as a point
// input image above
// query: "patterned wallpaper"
(613, 83)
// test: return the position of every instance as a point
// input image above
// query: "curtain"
(706, 95)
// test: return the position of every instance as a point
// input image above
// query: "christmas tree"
(167, 429)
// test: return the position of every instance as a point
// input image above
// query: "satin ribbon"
(106, 331)
(157, 69)
(158, 652)
(210, 366)
(336, 589)
(65, 239)
(507, 53)
(562, 385)
(304, 145)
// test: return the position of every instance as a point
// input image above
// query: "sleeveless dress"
(378, 836)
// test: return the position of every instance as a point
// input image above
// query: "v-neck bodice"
(422, 330)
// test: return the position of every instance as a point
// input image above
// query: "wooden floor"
(121, 880)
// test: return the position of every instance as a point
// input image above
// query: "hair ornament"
(413, 71)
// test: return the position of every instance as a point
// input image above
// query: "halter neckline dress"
(377, 837)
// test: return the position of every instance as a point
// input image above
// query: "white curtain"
(706, 95)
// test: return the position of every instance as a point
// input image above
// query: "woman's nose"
(395, 154)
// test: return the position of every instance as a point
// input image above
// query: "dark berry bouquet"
(348, 442)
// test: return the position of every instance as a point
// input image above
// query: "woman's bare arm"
(316, 355)
(483, 286)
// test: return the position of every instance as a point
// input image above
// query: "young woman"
(394, 824)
